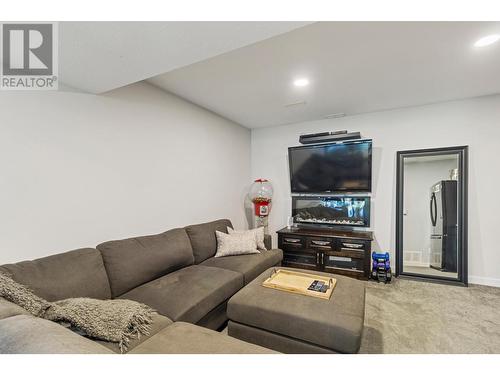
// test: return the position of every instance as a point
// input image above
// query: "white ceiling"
(100, 56)
(354, 67)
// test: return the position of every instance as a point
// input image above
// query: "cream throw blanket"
(116, 320)
(22, 296)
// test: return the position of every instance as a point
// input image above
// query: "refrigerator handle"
(433, 209)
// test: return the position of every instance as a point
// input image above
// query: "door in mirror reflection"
(430, 203)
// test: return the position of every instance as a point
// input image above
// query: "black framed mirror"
(431, 209)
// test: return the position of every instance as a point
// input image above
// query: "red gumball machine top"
(261, 193)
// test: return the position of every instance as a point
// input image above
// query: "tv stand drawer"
(298, 259)
(320, 243)
(343, 262)
(292, 243)
(351, 245)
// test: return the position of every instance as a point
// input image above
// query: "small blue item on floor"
(381, 267)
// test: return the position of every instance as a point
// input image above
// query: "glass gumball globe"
(261, 191)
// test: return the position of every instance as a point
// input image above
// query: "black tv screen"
(331, 167)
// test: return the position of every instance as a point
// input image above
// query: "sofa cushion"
(77, 273)
(203, 238)
(250, 265)
(159, 323)
(8, 308)
(25, 334)
(188, 294)
(185, 338)
(134, 261)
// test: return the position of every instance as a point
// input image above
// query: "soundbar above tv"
(331, 167)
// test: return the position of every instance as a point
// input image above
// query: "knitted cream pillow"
(258, 233)
(235, 244)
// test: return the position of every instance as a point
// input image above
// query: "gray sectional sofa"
(174, 272)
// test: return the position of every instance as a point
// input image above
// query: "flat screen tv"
(331, 167)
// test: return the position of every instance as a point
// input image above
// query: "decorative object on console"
(261, 193)
(257, 232)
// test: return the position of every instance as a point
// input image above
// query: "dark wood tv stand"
(328, 250)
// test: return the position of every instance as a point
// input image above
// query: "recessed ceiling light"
(302, 102)
(487, 40)
(301, 82)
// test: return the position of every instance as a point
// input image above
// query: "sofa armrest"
(25, 334)
(8, 309)
(268, 241)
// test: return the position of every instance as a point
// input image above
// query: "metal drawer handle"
(350, 249)
(320, 243)
(352, 245)
(292, 240)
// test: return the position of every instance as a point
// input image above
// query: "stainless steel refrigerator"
(444, 225)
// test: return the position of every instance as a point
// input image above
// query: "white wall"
(473, 122)
(79, 169)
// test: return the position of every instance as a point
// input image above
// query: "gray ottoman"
(293, 323)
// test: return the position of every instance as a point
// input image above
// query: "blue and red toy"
(381, 267)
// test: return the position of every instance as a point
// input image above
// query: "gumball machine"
(261, 193)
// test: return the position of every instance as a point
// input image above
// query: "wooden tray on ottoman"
(298, 282)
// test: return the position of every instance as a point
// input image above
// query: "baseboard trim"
(416, 264)
(490, 281)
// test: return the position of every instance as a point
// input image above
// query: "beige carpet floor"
(418, 317)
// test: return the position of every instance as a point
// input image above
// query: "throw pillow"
(258, 233)
(235, 244)
(22, 296)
